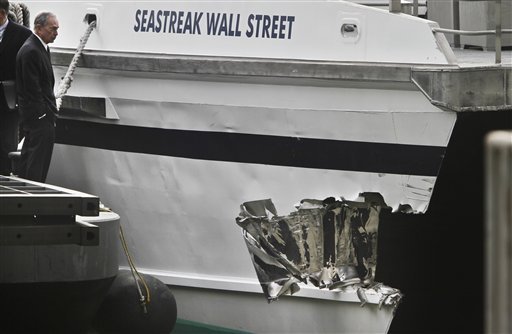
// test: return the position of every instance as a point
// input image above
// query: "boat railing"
(413, 7)
(496, 32)
(395, 6)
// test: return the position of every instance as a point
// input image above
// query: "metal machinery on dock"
(58, 256)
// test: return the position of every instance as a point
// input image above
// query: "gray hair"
(42, 18)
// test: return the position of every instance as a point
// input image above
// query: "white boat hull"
(196, 124)
(179, 212)
(198, 195)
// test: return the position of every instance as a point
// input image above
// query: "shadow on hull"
(437, 259)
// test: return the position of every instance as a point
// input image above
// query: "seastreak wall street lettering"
(214, 24)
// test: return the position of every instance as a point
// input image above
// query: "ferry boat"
(180, 113)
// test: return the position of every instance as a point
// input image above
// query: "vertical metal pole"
(497, 43)
(395, 6)
(498, 236)
(456, 22)
(415, 7)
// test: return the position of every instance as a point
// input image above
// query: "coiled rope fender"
(68, 78)
(18, 12)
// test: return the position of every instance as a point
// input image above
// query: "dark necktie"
(48, 52)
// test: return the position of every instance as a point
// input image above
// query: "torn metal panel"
(329, 243)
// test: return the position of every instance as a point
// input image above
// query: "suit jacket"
(13, 38)
(35, 81)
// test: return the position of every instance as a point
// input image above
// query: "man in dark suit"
(12, 37)
(37, 104)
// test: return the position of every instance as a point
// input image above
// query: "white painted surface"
(291, 314)
(179, 214)
(386, 115)
(315, 33)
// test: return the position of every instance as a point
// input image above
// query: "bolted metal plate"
(23, 197)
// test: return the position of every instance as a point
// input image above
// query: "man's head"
(46, 26)
(4, 10)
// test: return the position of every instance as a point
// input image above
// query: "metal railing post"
(395, 6)
(497, 45)
(498, 236)
(456, 22)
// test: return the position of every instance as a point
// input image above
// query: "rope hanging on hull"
(68, 78)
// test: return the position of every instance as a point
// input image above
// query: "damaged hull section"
(331, 244)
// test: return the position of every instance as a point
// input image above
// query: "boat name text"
(214, 24)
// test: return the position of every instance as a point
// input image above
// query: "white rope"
(68, 78)
(19, 13)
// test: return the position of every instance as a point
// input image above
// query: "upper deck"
(334, 42)
(474, 57)
(318, 30)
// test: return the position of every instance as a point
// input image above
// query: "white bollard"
(498, 238)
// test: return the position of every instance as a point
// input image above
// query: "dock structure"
(35, 214)
(58, 256)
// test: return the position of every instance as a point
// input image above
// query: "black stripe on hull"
(255, 149)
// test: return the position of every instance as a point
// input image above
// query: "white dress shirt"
(2, 29)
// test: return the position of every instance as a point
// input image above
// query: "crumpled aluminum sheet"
(329, 243)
